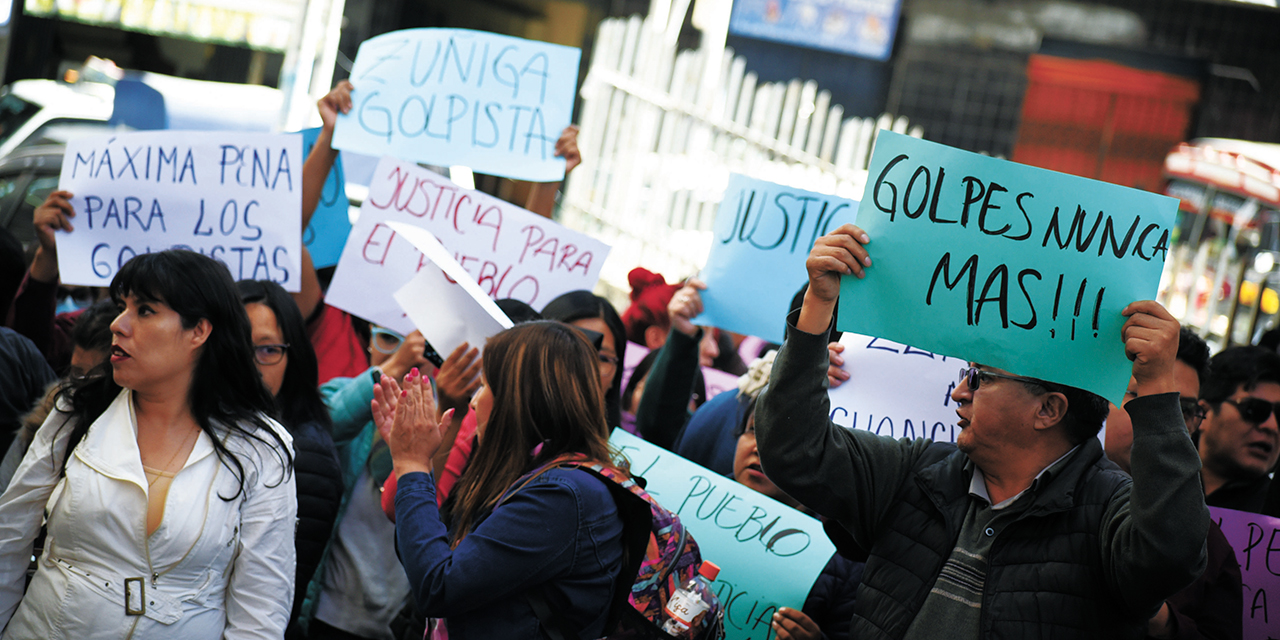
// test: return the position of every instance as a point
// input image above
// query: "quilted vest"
(1045, 577)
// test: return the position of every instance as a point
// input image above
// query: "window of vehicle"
(14, 112)
(62, 131)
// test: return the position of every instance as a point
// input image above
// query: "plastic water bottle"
(685, 613)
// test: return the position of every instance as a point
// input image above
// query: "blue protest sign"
(769, 554)
(330, 225)
(864, 28)
(448, 97)
(763, 234)
(1011, 266)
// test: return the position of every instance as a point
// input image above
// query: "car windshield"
(14, 112)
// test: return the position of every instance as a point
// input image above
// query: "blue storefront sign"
(855, 27)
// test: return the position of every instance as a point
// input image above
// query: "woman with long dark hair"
(516, 521)
(170, 490)
(589, 311)
(287, 362)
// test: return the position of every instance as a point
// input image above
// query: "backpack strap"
(637, 524)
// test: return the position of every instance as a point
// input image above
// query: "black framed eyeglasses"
(1255, 410)
(1192, 413)
(268, 354)
(974, 377)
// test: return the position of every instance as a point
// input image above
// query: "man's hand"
(407, 356)
(459, 378)
(567, 148)
(790, 624)
(686, 305)
(338, 100)
(839, 253)
(1151, 341)
(54, 214)
(836, 375)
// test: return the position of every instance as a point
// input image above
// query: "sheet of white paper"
(446, 304)
(895, 390)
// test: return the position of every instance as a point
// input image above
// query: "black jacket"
(319, 478)
(1093, 555)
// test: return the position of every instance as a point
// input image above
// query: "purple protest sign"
(1256, 541)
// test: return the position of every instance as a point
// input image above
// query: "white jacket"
(213, 569)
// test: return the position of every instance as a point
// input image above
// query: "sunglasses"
(1255, 410)
(974, 377)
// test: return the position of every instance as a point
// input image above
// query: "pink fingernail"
(404, 393)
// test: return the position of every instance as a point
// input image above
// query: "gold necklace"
(151, 483)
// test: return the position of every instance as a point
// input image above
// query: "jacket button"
(990, 532)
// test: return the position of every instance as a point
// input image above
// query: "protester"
(516, 521)
(24, 376)
(634, 390)
(183, 412)
(92, 340)
(358, 588)
(586, 310)
(1212, 606)
(1239, 440)
(36, 312)
(1020, 529)
(288, 366)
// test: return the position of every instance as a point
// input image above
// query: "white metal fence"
(660, 135)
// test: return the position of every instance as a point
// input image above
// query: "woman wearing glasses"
(169, 491)
(287, 363)
(358, 587)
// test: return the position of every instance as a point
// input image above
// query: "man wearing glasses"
(1021, 529)
(1239, 441)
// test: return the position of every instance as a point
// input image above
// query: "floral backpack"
(660, 553)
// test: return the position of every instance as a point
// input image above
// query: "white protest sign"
(447, 97)
(232, 196)
(895, 390)
(446, 304)
(510, 252)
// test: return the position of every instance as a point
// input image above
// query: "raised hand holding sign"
(995, 261)
(447, 97)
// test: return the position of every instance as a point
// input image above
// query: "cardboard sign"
(446, 304)
(448, 97)
(1003, 264)
(763, 234)
(895, 390)
(768, 553)
(233, 196)
(510, 252)
(1256, 541)
(330, 224)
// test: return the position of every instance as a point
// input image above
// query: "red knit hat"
(650, 295)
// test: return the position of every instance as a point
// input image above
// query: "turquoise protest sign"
(1007, 265)
(763, 234)
(769, 554)
(330, 224)
(447, 97)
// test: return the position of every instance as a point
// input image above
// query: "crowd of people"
(191, 457)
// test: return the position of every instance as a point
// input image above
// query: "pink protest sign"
(1256, 541)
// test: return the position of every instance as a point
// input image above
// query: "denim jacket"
(561, 530)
